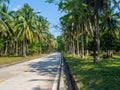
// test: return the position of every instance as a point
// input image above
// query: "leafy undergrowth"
(12, 59)
(104, 75)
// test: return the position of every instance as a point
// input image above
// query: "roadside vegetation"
(91, 37)
(14, 59)
(90, 28)
(23, 33)
(104, 75)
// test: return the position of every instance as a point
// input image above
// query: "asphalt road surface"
(37, 74)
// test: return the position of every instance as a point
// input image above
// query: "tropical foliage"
(90, 26)
(24, 32)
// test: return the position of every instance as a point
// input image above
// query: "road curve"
(37, 74)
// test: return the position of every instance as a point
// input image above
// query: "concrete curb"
(70, 81)
(62, 84)
(56, 84)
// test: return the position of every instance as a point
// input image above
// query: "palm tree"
(68, 32)
(24, 26)
(42, 26)
(7, 32)
(110, 25)
(87, 14)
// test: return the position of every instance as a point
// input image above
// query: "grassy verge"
(9, 60)
(104, 75)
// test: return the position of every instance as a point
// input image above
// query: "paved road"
(38, 74)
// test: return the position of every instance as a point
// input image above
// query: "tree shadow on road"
(36, 88)
(47, 67)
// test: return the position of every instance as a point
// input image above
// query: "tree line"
(90, 27)
(24, 32)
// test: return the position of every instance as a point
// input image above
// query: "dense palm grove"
(24, 32)
(90, 27)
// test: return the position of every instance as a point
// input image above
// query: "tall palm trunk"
(24, 47)
(95, 39)
(95, 45)
(78, 52)
(82, 40)
(11, 49)
(96, 33)
(73, 48)
(27, 46)
(16, 48)
(40, 46)
(6, 48)
(71, 44)
(98, 37)
(87, 52)
(98, 45)
(69, 48)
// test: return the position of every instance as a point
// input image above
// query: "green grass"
(11, 59)
(104, 75)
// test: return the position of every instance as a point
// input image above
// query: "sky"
(49, 11)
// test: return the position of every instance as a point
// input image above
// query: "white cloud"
(16, 8)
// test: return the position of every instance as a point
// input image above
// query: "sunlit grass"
(12, 59)
(35, 56)
(9, 60)
(104, 75)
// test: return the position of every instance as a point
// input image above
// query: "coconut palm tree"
(42, 26)
(89, 13)
(25, 26)
(110, 25)
(7, 32)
